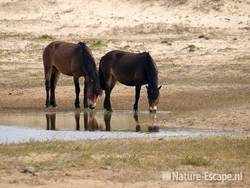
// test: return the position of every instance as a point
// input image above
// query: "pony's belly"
(127, 83)
(125, 79)
(64, 69)
(68, 73)
(132, 83)
(130, 79)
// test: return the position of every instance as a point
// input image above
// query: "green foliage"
(46, 37)
(97, 44)
(195, 161)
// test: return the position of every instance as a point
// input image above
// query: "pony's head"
(93, 91)
(93, 84)
(153, 97)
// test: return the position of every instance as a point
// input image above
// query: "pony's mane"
(89, 65)
(152, 75)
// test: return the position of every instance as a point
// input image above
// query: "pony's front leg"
(77, 91)
(85, 97)
(137, 96)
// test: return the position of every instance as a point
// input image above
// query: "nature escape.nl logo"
(203, 176)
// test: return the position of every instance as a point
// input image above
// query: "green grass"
(98, 44)
(46, 37)
(126, 48)
(194, 161)
(147, 155)
(137, 158)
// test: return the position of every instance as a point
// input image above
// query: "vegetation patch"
(97, 44)
(220, 154)
(46, 37)
(194, 161)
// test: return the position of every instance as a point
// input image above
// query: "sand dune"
(95, 18)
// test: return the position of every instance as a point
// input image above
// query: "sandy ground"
(202, 50)
(128, 163)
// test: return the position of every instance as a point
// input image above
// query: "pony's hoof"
(135, 110)
(77, 106)
(53, 105)
(47, 104)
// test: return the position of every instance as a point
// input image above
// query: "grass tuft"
(46, 37)
(195, 161)
(97, 44)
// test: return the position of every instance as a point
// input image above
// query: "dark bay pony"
(73, 60)
(131, 69)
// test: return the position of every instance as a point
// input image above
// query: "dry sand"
(201, 47)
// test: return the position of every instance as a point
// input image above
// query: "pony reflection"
(90, 122)
(51, 121)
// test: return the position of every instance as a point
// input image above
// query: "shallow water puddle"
(86, 120)
(88, 125)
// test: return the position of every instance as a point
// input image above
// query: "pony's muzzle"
(152, 109)
(91, 104)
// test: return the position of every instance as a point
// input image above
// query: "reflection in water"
(91, 124)
(137, 127)
(77, 118)
(51, 121)
(153, 127)
(107, 120)
(19, 128)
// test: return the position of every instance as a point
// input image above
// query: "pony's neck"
(90, 66)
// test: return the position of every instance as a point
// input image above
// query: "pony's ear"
(82, 45)
(159, 87)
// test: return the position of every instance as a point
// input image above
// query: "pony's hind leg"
(137, 96)
(47, 72)
(77, 91)
(47, 86)
(53, 82)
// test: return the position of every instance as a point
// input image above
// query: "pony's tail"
(101, 78)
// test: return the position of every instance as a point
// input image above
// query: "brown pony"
(73, 60)
(131, 69)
